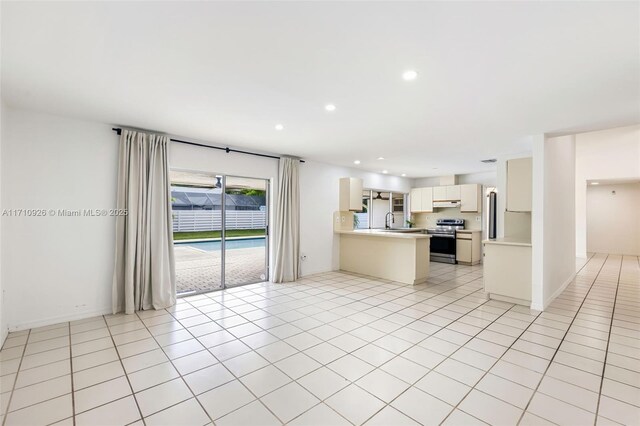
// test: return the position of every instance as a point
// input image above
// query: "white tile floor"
(338, 349)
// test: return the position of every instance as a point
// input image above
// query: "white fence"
(211, 220)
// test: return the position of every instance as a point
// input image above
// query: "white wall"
(60, 268)
(56, 268)
(613, 222)
(603, 155)
(553, 217)
(3, 323)
(319, 199)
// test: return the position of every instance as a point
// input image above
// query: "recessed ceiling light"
(330, 107)
(380, 158)
(404, 174)
(356, 162)
(410, 75)
(385, 172)
(595, 183)
(279, 127)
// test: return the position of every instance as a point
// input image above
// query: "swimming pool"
(230, 244)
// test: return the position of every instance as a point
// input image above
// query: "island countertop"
(385, 234)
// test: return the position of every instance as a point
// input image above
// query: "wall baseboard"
(536, 307)
(557, 293)
(315, 272)
(58, 319)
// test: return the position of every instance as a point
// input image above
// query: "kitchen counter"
(469, 231)
(510, 241)
(386, 234)
(396, 256)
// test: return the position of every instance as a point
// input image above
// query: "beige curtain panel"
(144, 273)
(287, 222)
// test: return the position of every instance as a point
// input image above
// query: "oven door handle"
(442, 236)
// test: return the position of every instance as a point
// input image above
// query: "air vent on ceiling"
(489, 161)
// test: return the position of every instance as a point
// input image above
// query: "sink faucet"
(386, 220)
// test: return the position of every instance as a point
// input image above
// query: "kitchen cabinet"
(415, 200)
(446, 193)
(427, 199)
(350, 194)
(468, 247)
(439, 193)
(507, 270)
(471, 198)
(519, 184)
(453, 192)
(421, 200)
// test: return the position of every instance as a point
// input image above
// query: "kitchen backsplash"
(428, 220)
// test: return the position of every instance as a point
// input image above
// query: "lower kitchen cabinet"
(468, 247)
(507, 271)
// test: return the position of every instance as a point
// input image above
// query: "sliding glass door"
(220, 226)
(245, 237)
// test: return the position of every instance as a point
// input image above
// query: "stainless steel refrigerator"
(493, 207)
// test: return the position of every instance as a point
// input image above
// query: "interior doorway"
(613, 223)
(220, 230)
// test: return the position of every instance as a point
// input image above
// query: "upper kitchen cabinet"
(427, 199)
(453, 192)
(519, 184)
(350, 194)
(439, 193)
(446, 193)
(470, 198)
(415, 200)
(421, 200)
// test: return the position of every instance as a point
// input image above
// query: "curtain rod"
(118, 131)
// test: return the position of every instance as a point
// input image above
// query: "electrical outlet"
(303, 257)
(337, 219)
(344, 219)
(477, 218)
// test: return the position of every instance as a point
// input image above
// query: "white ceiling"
(490, 74)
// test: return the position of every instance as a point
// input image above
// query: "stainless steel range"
(443, 240)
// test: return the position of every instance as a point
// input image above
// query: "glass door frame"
(223, 216)
(223, 230)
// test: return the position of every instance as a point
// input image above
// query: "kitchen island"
(397, 256)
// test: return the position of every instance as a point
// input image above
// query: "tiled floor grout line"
(606, 353)
(489, 369)
(125, 374)
(207, 349)
(395, 356)
(15, 380)
(178, 371)
(363, 325)
(73, 396)
(349, 353)
(270, 301)
(595, 279)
